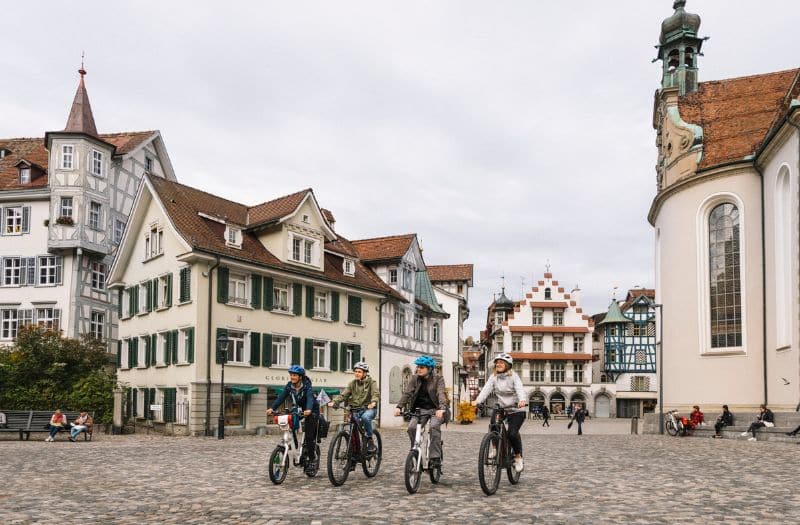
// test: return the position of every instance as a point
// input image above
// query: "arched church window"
(688, 57)
(547, 294)
(725, 299)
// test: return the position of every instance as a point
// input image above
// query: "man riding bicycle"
(510, 394)
(362, 394)
(302, 395)
(425, 391)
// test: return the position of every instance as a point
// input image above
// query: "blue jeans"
(54, 430)
(77, 429)
(366, 418)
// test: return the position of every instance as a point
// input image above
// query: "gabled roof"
(424, 294)
(450, 272)
(184, 204)
(737, 114)
(34, 151)
(275, 209)
(384, 248)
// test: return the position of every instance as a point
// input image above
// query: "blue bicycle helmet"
(425, 361)
(297, 369)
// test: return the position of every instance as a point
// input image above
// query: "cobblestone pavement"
(596, 478)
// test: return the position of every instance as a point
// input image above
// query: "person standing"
(579, 418)
(545, 416)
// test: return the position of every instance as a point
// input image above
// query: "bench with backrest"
(40, 422)
(16, 421)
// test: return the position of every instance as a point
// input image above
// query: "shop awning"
(244, 389)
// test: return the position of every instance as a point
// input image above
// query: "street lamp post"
(222, 356)
(660, 367)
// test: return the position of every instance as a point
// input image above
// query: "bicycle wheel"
(488, 468)
(312, 472)
(339, 459)
(372, 462)
(670, 427)
(278, 465)
(412, 475)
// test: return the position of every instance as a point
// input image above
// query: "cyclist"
(507, 387)
(362, 393)
(426, 392)
(299, 388)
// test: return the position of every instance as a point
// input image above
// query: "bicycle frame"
(292, 440)
(422, 441)
(497, 424)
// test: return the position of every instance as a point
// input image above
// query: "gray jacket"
(507, 387)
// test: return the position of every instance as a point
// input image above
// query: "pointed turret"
(614, 315)
(80, 118)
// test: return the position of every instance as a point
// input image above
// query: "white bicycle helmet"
(504, 357)
(362, 365)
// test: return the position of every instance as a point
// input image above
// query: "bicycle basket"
(284, 421)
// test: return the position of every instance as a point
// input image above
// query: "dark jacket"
(726, 418)
(435, 391)
(580, 415)
(545, 412)
(304, 398)
(767, 416)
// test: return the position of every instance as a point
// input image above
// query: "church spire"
(80, 118)
(679, 45)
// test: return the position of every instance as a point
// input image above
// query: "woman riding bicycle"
(362, 394)
(299, 388)
(425, 391)
(507, 387)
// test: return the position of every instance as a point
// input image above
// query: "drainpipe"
(380, 351)
(797, 127)
(208, 348)
(763, 281)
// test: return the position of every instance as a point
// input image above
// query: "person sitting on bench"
(58, 422)
(765, 419)
(83, 423)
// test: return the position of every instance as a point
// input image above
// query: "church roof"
(737, 114)
(80, 118)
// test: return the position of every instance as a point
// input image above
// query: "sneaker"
(72, 439)
(743, 434)
(371, 448)
(751, 439)
(518, 464)
(791, 434)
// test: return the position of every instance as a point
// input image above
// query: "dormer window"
(349, 267)
(304, 250)
(97, 163)
(305, 219)
(24, 174)
(233, 236)
(153, 241)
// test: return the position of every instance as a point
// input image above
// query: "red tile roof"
(737, 114)
(384, 248)
(33, 150)
(275, 209)
(450, 272)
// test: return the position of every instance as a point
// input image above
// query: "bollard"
(634, 425)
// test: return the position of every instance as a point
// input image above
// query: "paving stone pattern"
(595, 478)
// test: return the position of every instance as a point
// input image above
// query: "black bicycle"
(348, 448)
(496, 454)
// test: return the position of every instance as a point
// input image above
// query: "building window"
(8, 324)
(537, 342)
(349, 354)
(557, 374)
(547, 294)
(65, 209)
(611, 355)
(144, 298)
(460, 289)
(725, 279)
(185, 346)
(435, 336)
(119, 229)
(164, 291)
(499, 317)
(558, 318)
(24, 175)
(281, 297)
(577, 343)
(67, 151)
(236, 347)
(400, 321)
(14, 220)
(25, 317)
(537, 371)
(516, 343)
(303, 250)
(161, 348)
(97, 325)
(48, 317)
(49, 270)
(321, 305)
(640, 329)
(12, 271)
(417, 326)
(153, 242)
(517, 366)
(393, 276)
(95, 215)
(98, 275)
(97, 163)
(577, 372)
(349, 267)
(237, 289)
(407, 276)
(148, 164)
(320, 354)
(558, 343)
(499, 342)
(640, 384)
(307, 250)
(233, 237)
(280, 351)
(538, 317)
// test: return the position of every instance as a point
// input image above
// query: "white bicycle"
(418, 460)
(290, 448)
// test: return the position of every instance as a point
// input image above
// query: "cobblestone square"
(601, 477)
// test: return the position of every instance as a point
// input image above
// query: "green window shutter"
(128, 344)
(174, 346)
(146, 406)
(154, 301)
(255, 347)
(168, 298)
(184, 284)
(136, 299)
(255, 291)
(131, 301)
(356, 353)
(334, 306)
(153, 400)
(295, 350)
(268, 298)
(297, 299)
(119, 354)
(266, 350)
(309, 301)
(119, 303)
(190, 345)
(334, 355)
(343, 356)
(309, 357)
(353, 309)
(153, 346)
(149, 303)
(223, 275)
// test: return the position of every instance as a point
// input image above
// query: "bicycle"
(348, 448)
(418, 460)
(290, 447)
(673, 424)
(495, 454)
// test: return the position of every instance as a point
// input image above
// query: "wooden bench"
(15, 421)
(40, 422)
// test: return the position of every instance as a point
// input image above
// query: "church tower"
(678, 49)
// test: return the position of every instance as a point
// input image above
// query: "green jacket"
(360, 393)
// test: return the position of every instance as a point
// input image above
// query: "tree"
(45, 371)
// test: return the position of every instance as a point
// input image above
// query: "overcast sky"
(505, 134)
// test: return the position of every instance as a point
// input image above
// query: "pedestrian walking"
(545, 416)
(578, 416)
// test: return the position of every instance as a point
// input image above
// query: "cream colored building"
(726, 229)
(275, 278)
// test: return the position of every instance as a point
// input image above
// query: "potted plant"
(466, 413)
(65, 221)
